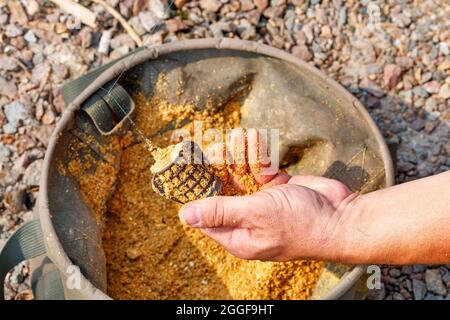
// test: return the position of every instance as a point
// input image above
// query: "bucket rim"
(62, 261)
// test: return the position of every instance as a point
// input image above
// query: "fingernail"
(190, 214)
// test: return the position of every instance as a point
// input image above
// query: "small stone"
(430, 126)
(31, 6)
(149, 21)
(14, 200)
(59, 72)
(40, 73)
(123, 40)
(434, 282)
(420, 91)
(443, 48)
(407, 269)
(48, 117)
(86, 37)
(155, 39)
(136, 23)
(7, 63)
(105, 40)
(400, 19)
(210, 5)
(13, 31)
(419, 289)
(426, 77)
(261, 5)
(175, 25)
(302, 52)
(394, 272)
(5, 152)
(418, 124)
(158, 8)
(133, 253)
(30, 37)
(404, 62)
(372, 88)
(180, 3)
(444, 92)
(247, 5)
(432, 86)
(7, 88)
(15, 113)
(342, 20)
(445, 65)
(430, 104)
(326, 32)
(392, 75)
(43, 133)
(321, 16)
(32, 173)
(398, 296)
(253, 17)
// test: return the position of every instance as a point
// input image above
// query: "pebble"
(395, 273)
(432, 86)
(13, 31)
(420, 92)
(30, 37)
(7, 88)
(443, 48)
(418, 124)
(261, 5)
(392, 75)
(15, 113)
(419, 289)
(180, 3)
(247, 5)
(149, 21)
(32, 173)
(434, 282)
(105, 40)
(159, 9)
(302, 52)
(210, 5)
(398, 296)
(133, 253)
(444, 92)
(7, 63)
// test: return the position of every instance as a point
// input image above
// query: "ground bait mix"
(150, 254)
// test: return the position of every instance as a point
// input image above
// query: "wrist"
(343, 245)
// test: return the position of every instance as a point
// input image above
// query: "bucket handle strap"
(73, 89)
(109, 107)
(27, 243)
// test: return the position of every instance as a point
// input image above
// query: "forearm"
(407, 223)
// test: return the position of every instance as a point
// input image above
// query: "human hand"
(290, 218)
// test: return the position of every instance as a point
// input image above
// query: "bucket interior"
(129, 242)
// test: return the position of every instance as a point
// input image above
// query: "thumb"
(220, 211)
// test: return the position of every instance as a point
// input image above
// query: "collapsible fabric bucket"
(323, 131)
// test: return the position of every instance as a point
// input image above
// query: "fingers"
(218, 212)
(249, 154)
(258, 157)
(237, 148)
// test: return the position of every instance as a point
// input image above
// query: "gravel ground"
(393, 55)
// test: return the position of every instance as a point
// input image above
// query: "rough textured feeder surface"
(128, 240)
(181, 174)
